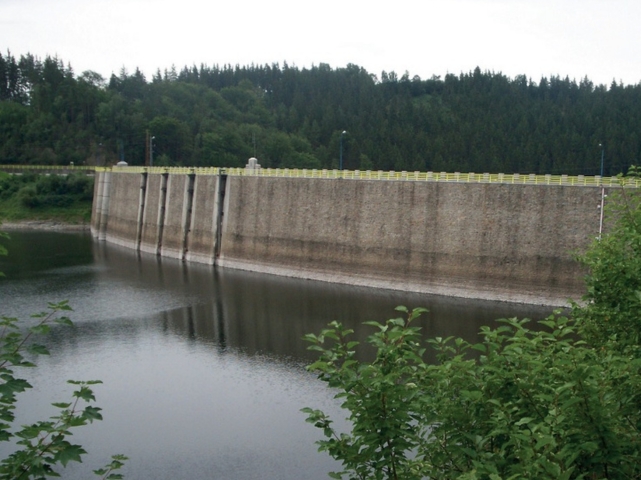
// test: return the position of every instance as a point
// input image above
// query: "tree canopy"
(287, 116)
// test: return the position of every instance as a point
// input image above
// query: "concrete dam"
(510, 238)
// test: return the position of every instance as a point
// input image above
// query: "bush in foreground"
(42, 447)
(562, 401)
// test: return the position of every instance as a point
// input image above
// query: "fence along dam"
(499, 237)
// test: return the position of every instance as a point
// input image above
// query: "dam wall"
(122, 215)
(206, 210)
(158, 213)
(503, 241)
(153, 214)
(499, 241)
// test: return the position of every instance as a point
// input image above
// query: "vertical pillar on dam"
(100, 208)
(204, 224)
(187, 215)
(173, 229)
(223, 202)
(121, 202)
(105, 206)
(141, 207)
(153, 216)
(96, 206)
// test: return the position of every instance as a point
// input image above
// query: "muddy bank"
(47, 225)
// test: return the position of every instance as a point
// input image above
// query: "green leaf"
(36, 349)
(41, 329)
(92, 413)
(63, 305)
(64, 321)
(70, 453)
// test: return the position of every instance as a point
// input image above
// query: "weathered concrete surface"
(202, 237)
(495, 241)
(152, 216)
(96, 206)
(123, 209)
(175, 217)
(100, 205)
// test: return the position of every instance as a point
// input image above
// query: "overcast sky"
(575, 38)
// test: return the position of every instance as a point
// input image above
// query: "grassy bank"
(56, 198)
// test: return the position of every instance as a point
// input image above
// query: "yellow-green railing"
(41, 168)
(521, 179)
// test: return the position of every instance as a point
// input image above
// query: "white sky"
(597, 38)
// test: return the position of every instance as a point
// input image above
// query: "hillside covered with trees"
(292, 117)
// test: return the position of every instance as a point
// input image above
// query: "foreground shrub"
(532, 404)
(42, 447)
(562, 402)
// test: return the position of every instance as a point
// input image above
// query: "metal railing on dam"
(48, 169)
(455, 177)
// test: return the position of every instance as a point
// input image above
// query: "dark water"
(203, 369)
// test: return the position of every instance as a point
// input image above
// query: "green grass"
(12, 210)
(65, 199)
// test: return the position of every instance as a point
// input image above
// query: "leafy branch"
(42, 445)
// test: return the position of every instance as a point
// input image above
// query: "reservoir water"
(202, 369)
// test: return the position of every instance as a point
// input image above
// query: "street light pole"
(151, 151)
(602, 192)
(340, 165)
(602, 156)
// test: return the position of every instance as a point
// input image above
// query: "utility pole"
(151, 151)
(602, 192)
(147, 147)
(340, 164)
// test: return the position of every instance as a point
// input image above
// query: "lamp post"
(602, 192)
(151, 151)
(340, 165)
(602, 156)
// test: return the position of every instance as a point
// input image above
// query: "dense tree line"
(292, 117)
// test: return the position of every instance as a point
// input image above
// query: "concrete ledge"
(436, 288)
(200, 258)
(123, 242)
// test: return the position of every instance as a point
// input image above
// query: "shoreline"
(47, 225)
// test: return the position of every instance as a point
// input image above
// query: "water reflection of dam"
(258, 313)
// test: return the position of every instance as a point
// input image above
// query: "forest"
(479, 121)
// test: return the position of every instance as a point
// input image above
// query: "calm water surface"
(203, 369)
